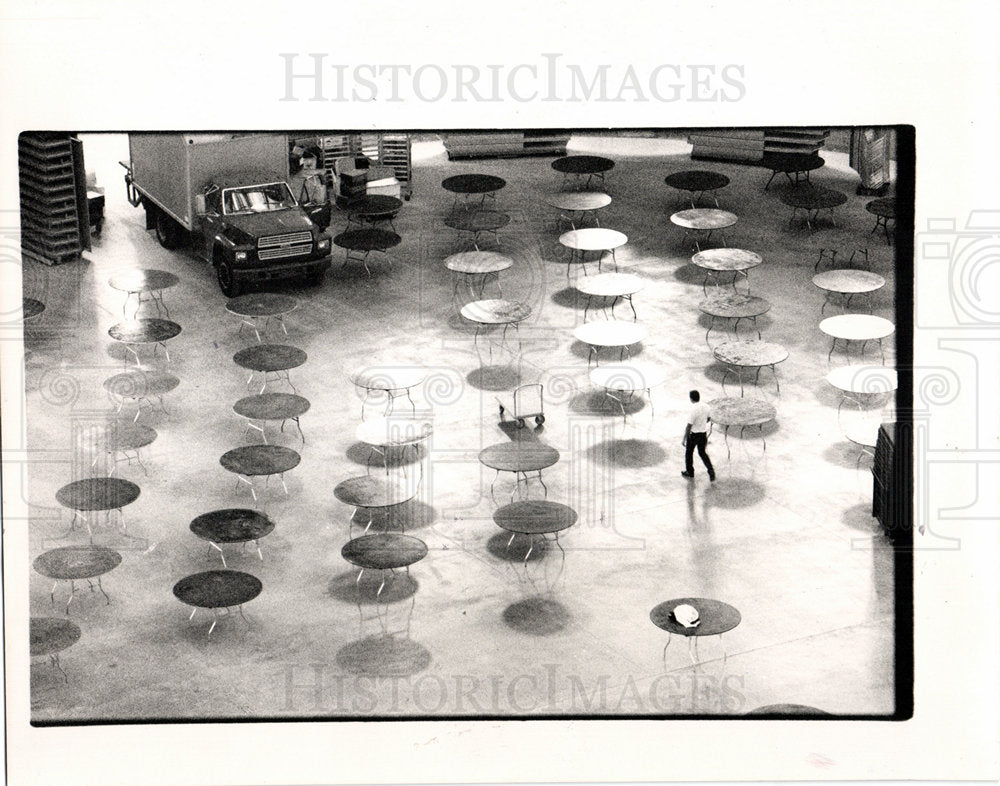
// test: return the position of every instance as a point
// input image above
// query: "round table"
(580, 241)
(707, 220)
(272, 406)
(370, 492)
(140, 386)
(609, 334)
(31, 308)
(387, 551)
(375, 209)
(76, 563)
(126, 438)
(736, 307)
(738, 355)
(726, 260)
(610, 286)
(519, 457)
(787, 709)
(578, 167)
(884, 210)
(232, 525)
(144, 331)
(535, 517)
(715, 617)
(799, 164)
(698, 181)
(394, 380)
(363, 242)
(473, 185)
(217, 589)
(262, 305)
(812, 200)
(144, 282)
(277, 359)
(496, 312)
(575, 205)
(857, 327)
(620, 382)
(50, 636)
(865, 435)
(742, 413)
(848, 282)
(252, 461)
(855, 382)
(383, 434)
(481, 264)
(95, 495)
(478, 222)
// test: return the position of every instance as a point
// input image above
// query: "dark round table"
(519, 457)
(262, 305)
(77, 563)
(217, 589)
(140, 386)
(798, 710)
(375, 209)
(698, 182)
(579, 167)
(535, 517)
(812, 200)
(272, 406)
(31, 308)
(735, 306)
(387, 551)
(363, 242)
(50, 636)
(138, 332)
(97, 494)
(144, 282)
(884, 210)
(788, 164)
(232, 525)
(252, 461)
(742, 413)
(266, 359)
(368, 492)
(715, 616)
(472, 184)
(478, 222)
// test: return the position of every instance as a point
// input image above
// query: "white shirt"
(699, 418)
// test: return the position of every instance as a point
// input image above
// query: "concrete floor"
(784, 535)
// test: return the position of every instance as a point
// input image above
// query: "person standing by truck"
(308, 184)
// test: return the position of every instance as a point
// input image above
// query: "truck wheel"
(166, 230)
(228, 283)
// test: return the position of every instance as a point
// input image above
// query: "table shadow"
(361, 452)
(536, 616)
(631, 453)
(596, 403)
(608, 355)
(404, 517)
(383, 656)
(346, 587)
(732, 492)
(497, 546)
(569, 297)
(497, 377)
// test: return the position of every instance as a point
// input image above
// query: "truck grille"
(293, 244)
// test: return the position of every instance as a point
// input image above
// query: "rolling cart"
(528, 402)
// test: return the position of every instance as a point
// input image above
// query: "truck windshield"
(257, 199)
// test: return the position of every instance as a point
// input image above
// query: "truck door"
(211, 221)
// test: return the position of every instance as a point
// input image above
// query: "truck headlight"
(240, 256)
(324, 244)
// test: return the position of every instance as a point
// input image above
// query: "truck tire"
(230, 285)
(167, 231)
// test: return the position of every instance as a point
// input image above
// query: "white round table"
(849, 282)
(857, 327)
(726, 260)
(621, 381)
(609, 334)
(598, 239)
(610, 286)
(703, 220)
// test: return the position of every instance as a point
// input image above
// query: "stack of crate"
(54, 224)
(390, 149)
(728, 144)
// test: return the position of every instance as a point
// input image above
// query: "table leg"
(54, 660)
(665, 651)
(725, 438)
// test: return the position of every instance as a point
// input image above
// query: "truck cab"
(254, 230)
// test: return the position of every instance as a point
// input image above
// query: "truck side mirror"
(200, 206)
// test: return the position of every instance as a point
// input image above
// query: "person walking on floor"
(696, 436)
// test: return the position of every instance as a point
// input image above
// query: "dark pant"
(697, 439)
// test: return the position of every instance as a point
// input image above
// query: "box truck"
(228, 196)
